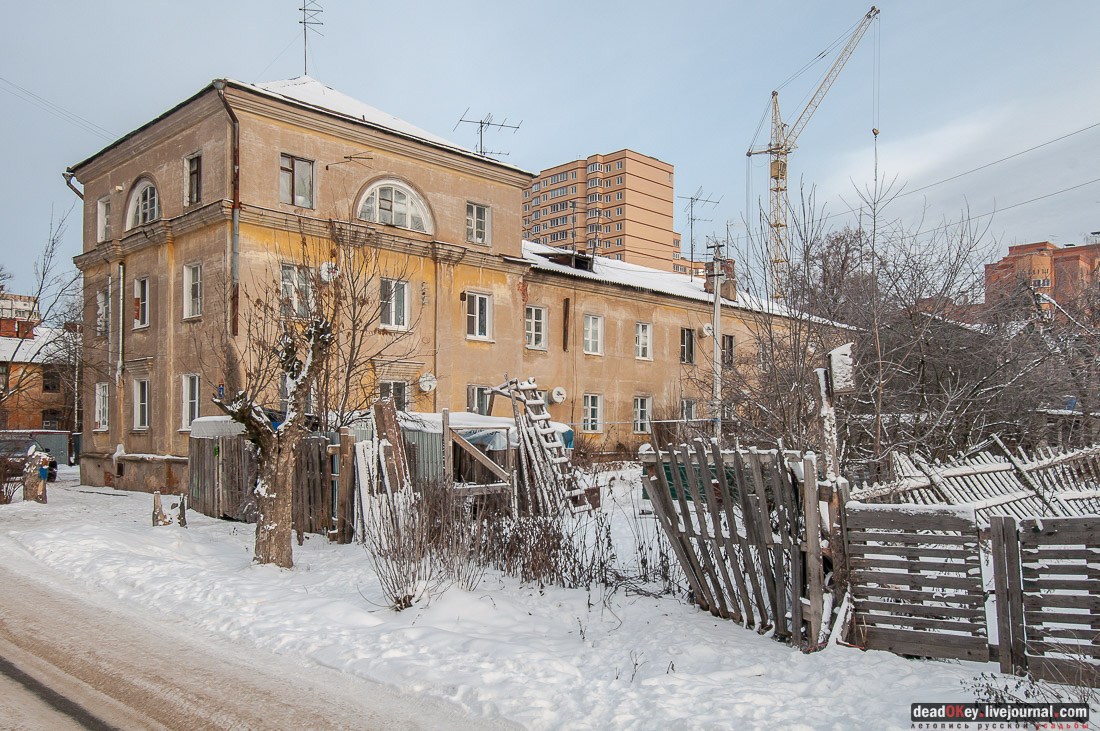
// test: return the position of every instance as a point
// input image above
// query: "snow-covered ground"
(550, 658)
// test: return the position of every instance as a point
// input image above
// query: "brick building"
(1062, 273)
(617, 206)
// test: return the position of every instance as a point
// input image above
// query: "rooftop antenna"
(310, 12)
(484, 123)
(698, 199)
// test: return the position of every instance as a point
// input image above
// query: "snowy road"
(130, 672)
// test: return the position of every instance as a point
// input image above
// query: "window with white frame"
(687, 409)
(393, 204)
(193, 169)
(191, 384)
(619, 196)
(394, 297)
(102, 405)
(141, 302)
(687, 345)
(479, 316)
(141, 403)
(477, 223)
(593, 334)
(102, 312)
(591, 413)
(103, 219)
(641, 414)
(535, 328)
(295, 181)
(642, 347)
(619, 165)
(477, 399)
(619, 211)
(144, 204)
(618, 227)
(296, 290)
(619, 180)
(192, 290)
(398, 391)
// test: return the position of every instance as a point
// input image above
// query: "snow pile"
(546, 658)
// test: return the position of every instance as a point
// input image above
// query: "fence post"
(344, 481)
(998, 538)
(812, 511)
(1015, 593)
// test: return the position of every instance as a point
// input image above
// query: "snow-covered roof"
(613, 271)
(215, 426)
(432, 423)
(307, 91)
(39, 349)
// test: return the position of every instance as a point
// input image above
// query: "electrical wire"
(57, 111)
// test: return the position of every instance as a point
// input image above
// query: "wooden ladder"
(541, 443)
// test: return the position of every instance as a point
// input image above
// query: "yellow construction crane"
(782, 142)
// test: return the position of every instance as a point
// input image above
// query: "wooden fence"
(744, 526)
(1047, 575)
(915, 576)
(222, 476)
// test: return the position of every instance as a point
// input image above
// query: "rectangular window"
(687, 409)
(102, 405)
(729, 351)
(618, 227)
(141, 403)
(190, 399)
(192, 290)
(295, 291)
(51, 379)
(642, 341)
(536, 327)
(619, 165)
(102, 312)
(593, 334)
(618, 257)
(295, 181)
(641, 414)
(477, 224)
(103, 219)
(479, 316)
(594, 182)
(619, 196)
(687, 345)
(194, 180)
(619, 180)
(397, 391)
(141, 302)
(764, 355)
(394, 297)
(591, 418)
(477, 399)
(619, 211)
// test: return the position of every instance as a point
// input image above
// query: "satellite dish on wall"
(329, 271)
(557, 395)
(708, 330)
(427, 383)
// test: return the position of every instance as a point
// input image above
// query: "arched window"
(144, 205)
(394, 204)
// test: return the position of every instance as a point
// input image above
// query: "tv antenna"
(700, 199)
(311, 12)
(357, 158)
(483, 124)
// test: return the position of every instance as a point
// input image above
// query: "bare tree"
(318, 328)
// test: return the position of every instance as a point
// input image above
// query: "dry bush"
(11, 479)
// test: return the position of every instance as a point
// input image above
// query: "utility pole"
(717, 264)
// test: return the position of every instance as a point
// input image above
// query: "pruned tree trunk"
(274, 498)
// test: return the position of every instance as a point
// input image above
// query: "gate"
(916, 581)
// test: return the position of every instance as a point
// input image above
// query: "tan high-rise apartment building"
(617, 205)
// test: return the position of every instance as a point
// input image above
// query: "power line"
(60, 112)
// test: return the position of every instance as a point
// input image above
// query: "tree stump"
(159, 516)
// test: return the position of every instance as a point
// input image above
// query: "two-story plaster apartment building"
(188, 214)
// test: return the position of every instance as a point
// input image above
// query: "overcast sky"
(961, 85)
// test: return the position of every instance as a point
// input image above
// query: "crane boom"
(781, 144)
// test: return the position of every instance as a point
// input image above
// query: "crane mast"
(781, 144)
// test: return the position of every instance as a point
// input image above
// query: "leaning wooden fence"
(915, 576)
(745, 527)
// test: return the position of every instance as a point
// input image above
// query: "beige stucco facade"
(145, 348)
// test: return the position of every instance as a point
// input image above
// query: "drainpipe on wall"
(68, 175)
(234, 264)
(121, 319)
